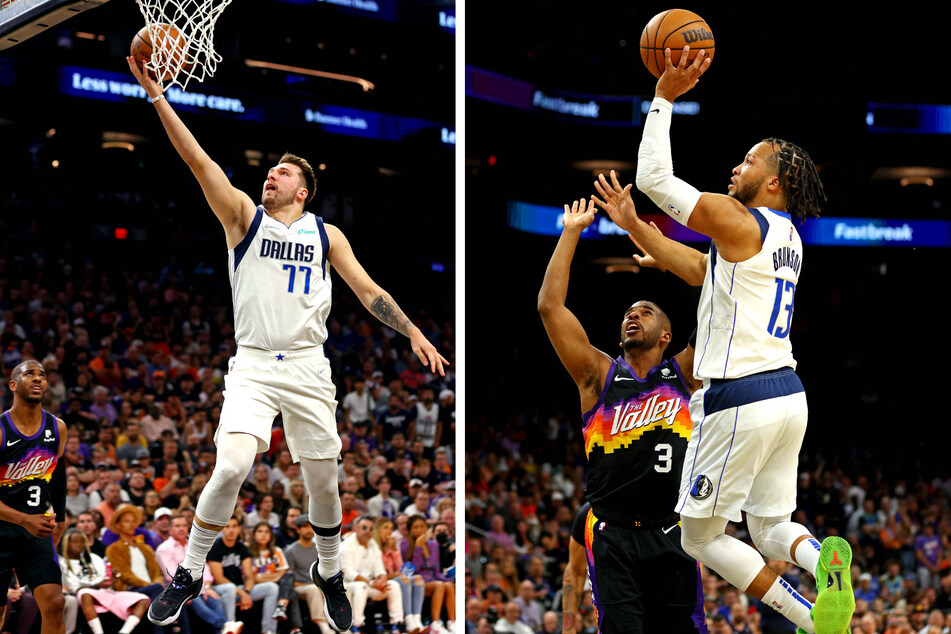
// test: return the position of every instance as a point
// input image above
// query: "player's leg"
(310, 427)
(49, 598)
(672, 583)
(743, 567)
(235, 456)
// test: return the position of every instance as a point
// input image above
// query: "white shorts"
(260, 385)
(743, 453)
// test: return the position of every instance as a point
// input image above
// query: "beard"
(646, 342)
(278, 200)
(745, 193)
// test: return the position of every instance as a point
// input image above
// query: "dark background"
(869, 324)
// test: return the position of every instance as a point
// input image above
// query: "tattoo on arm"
(390, 314)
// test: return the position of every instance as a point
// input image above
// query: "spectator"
(84, 576)
(426, 426)
(382, 504)
(86, 523)
(365, 576)
(133, 562)
(22, 609)
(357, 405)
(264, 512)
(530, 609)
(412, 586)
(77, 500)
(422, 552)
(348, 510)
(301, 557)
(287, 534)
(155, 423)
(392, 420)
(230, 562)
(111, 499)
(509, 621)
(270, 565)
(928, 554)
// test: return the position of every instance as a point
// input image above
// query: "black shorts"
(642, 581)
(34, 559)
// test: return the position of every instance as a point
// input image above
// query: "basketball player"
(278, 255)
(750, 415)
(636, 427)
(32, 495)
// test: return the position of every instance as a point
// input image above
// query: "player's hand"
(617, 202)
(577, 216)
(144, 77)
(678, 79)
(40, 525)
(427, 353)
(647, 260)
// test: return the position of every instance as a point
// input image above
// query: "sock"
(328, 550)
(782, 598)
(129, 625)
(95, 625)
(807, 554)
(200, 541)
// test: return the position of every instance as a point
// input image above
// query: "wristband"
(154, 99)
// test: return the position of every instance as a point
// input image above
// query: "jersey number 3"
(782, 308)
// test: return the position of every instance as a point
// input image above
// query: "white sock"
(200, 541)
(807, 554)
(782, 598)
(328, 551)
(129, 625)
(95, 625)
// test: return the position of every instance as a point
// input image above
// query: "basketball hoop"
(195, 21)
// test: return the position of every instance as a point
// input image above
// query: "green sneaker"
(835, 601)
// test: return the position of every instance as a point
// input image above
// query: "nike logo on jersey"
(654, 110)
(667, 530)
(640, 415)
(623, 378)
(10, 443)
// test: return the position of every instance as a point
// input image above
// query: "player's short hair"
(798, 178)
(310, 180)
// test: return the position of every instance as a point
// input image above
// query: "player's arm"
(58, 486)
(233, 207)
(377, 300)
(572, 587)
(586, 364)
(722, 218)
(662, 253)
(685, 360)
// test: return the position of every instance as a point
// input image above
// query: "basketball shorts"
(33, 559)
(296, 384)
(642, 581)
(743, 453)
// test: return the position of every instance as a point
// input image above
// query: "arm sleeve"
(58, 490)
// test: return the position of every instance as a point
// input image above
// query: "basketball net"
(195, 21)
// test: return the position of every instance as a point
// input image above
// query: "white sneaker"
(436, 627)
(232, 627)
(451, 626)
(411, 624)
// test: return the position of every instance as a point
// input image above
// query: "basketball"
(170, 44)
(674, 29)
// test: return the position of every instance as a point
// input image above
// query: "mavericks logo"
(702, 488)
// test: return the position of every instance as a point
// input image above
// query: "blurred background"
(556, 96)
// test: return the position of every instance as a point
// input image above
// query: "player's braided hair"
(798, 178)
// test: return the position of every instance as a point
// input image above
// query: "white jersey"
(280, 284)
(745, 310)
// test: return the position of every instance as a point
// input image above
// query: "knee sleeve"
(236, 453)
(705, 540)
(320, 477)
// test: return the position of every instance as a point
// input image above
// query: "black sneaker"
(336, 605)
(166, 607)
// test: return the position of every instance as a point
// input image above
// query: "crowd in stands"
(135, 362)
(524, 487)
